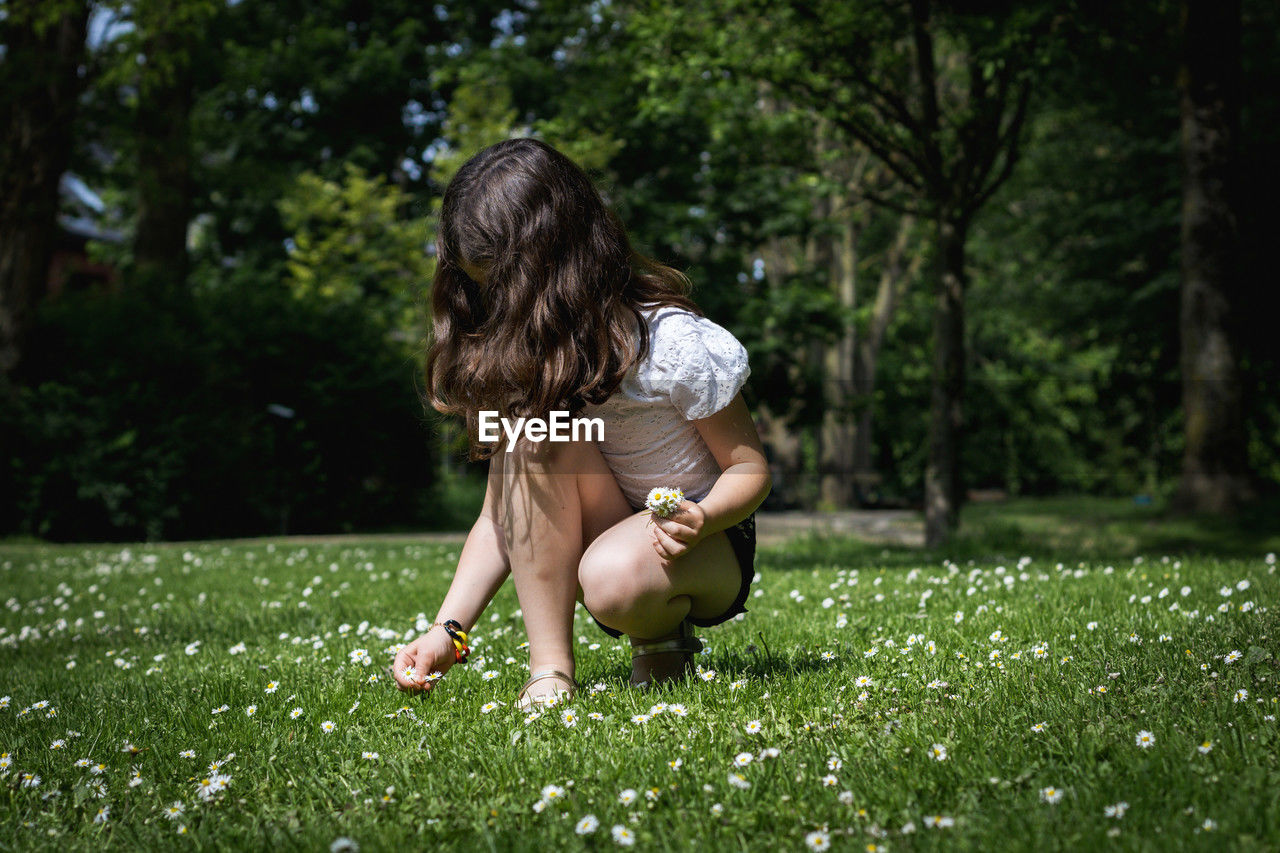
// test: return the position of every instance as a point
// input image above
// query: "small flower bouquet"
(664, 502)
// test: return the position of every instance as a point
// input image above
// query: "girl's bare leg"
(571, 535)
(554, 498)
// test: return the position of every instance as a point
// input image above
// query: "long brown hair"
(553, 325)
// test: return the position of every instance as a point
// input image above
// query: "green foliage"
(351, 247)
(144, 420)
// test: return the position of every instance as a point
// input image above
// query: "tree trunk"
(837, 488)
(893, 280)
(1215, 461)
(39, 91)
(164, 167)
(942, 481)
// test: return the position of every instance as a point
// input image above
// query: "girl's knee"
(610, 586)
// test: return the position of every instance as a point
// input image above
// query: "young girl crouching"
(540, 305)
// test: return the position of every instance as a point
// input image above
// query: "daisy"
(864, 681)
(487, 707)
(818, 840)
(490, 675)
(1039, 727)
(623, 836)
(677, 764)
(628, 796)
(939, 821)
(1209, 825)
(58, 744)
(85, 762)
(295, 713)
(742, 759)
(98, 769)
(679, 710)
(272, 687)
(595, 715)
(834, 763)
(753, 727)
(640, 719)
(30, 780)
(251, 710)
(589, 824)
(1240, 695)
(102, 815)
(938, 752)
(328, 726)
(1145, 739)
(739, 781)
(1050, 795)
(569, 717)
(175, 810)
(1206, 747)
(1117, 811)
(830, 781)
(370, 756)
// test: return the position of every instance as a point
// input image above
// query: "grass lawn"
(1085, 692)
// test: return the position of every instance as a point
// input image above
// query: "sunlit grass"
(868, 697)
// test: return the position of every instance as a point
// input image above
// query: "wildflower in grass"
(175, 810)
(353, 707)
(1240, 695)
(6, 761)
(221, 709)
(1206, 747)
(717, 809)
(104, 813)
(651, 794)
(205, 789)
(487, 707)
(707, 675)
(676, 764)
(295, 713)
(1039, 728)
(1050, 794)
(85, 762)
(98, 769)
(369, 756)
(628, 796)
(595, 715)
(828, 656)
(739, 781)
(936, 684)
(678, 710)
(640, 719)
(864, 681)
(135, 776)
(742, 759)
(30, 780)
(251, 710)
(328, 726)
(344, 845)
(818, 840)
(58, 744)
(1209, 825)
(192, 648)
(1116, 811)
(846, 798)
(589, 824)
(490, 675)
(623, 836)
(938, 821)
(753, 727)
(272, 687)
(830, 781)
(834, 764)
(938, 752)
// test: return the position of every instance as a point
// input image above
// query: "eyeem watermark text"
(558, 427)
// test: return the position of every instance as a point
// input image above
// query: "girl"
(540, 304)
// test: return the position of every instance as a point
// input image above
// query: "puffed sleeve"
(696, 363)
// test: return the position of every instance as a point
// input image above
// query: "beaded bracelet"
(461, 651)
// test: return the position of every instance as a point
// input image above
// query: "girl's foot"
(545, 688)
(665, 658)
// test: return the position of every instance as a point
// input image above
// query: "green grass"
(125, 616)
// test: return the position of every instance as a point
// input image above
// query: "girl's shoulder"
(692, 360)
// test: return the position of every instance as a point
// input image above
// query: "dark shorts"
(742, 538)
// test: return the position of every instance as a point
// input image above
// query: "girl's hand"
(678, 533)
(432, 652)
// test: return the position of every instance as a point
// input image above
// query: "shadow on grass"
(1058, 529)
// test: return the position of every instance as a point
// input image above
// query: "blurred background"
(977, 250)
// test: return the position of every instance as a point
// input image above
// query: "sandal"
(528, 703)
(685, 642)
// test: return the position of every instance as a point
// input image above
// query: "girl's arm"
(482, 569)
(743, 484)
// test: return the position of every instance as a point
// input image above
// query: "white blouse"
(694, 368)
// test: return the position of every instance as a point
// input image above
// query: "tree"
(938, 95)
(39, 90)
(1215, 460)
